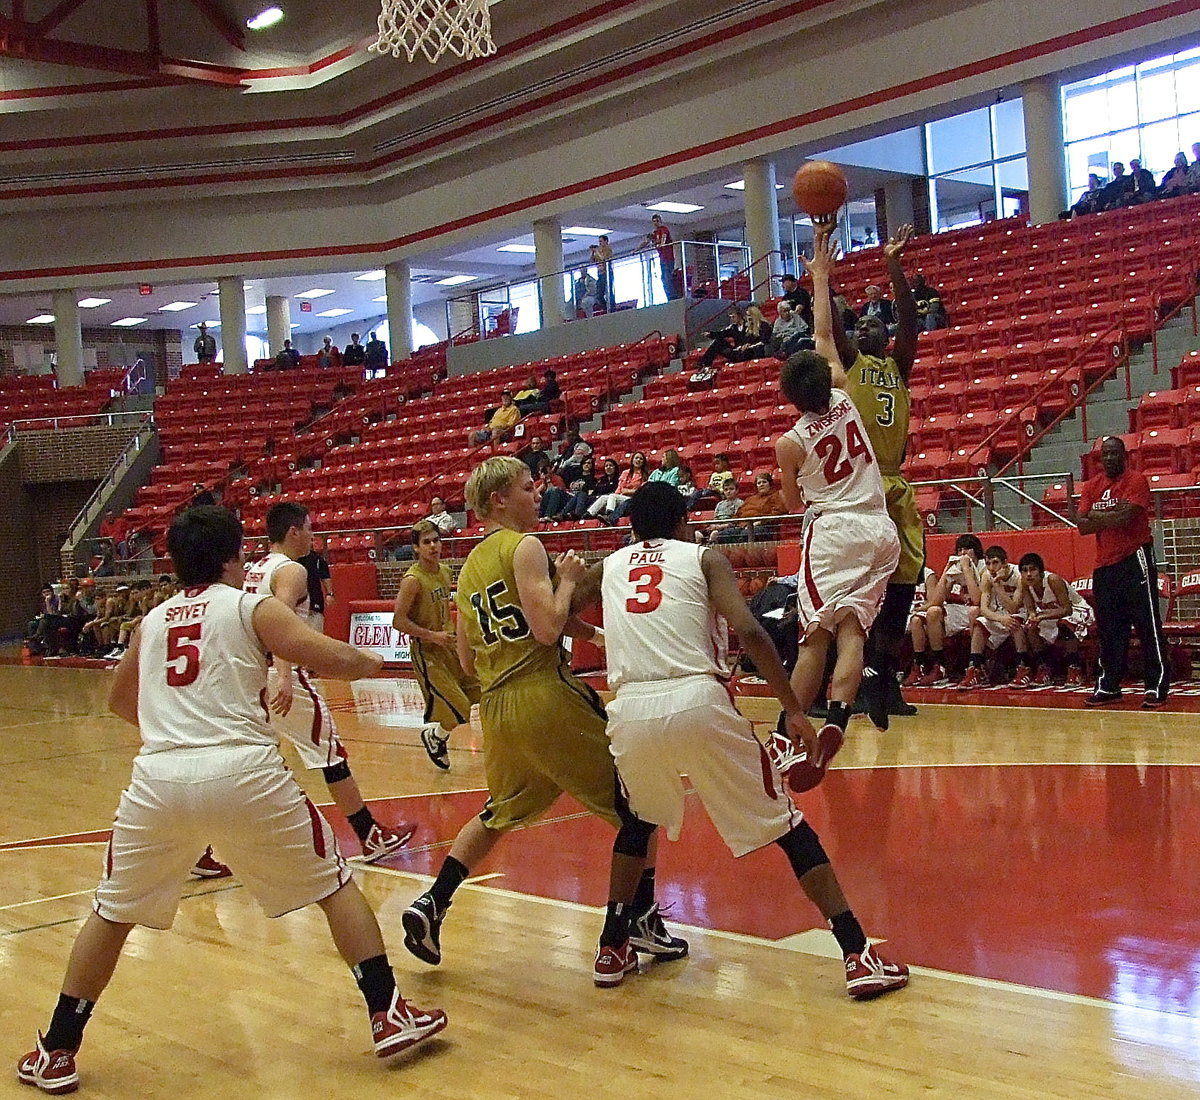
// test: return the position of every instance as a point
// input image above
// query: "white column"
(898, 202)
(279, 322)
(231, 292)
(547, 239)
(68, 338)
(762, 225)
(1044, 149)
(397, 285)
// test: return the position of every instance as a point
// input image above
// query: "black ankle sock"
(449, 879)
(71, 1015)
(848, 932)
(644, 898)
(937, 657)
(839, 715)
(376, 981)
(616, 924)
(976, 660)
(1031, 662)
(922, 659)
(361, 822)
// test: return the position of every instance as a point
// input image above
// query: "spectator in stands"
(758, 336)
(798, 298)
(375, 353)
(443, 520)
(668, 471)
(1115, 507)
(602, 254)
(1175, 182)
(355, 354)
(725, 339)
(82, 611)
(1194, 170)
(554, 490)
(686, 484)
(728, 508)
(766, 500)
(532, 457)
(539, 403)
(201, 496)
(1117, 189)
(923, 292)
(583, 489)
(787, 332)
(140, 601)
(628, 484)
(878, 306)
(506, 417)
(527, 393)
(1143, 188)
(1055, 615)
(205, 346)
(320, 587)
(953, 607)
(936, 316)
(570, 461)
(1000, 619)
(716, 483)
(586, 291)
(1090, 202)
(659, 238)
(288, 357)
(329, 356)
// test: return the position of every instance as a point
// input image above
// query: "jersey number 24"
(829, 448)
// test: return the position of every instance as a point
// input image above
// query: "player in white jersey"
(953, 607)
(668, 605)
(850, 547)
(304, 716)
(999, 619)
(194, 682)
(1055, 614)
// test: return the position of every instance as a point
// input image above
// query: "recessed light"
(381, 298)
(208, 324)
(92, 303)
(674, 207)
(371, 277)
(257, 311)
(334, 312)
(525, 248)
(587, 230)
(268, 17)
(456, 280)
(176, 307)
(41, 319)
(129, 322)
(317, 292)
(740, 185)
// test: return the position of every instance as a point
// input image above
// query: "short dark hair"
(789, 275)
(656, 509)
(202, 541)
(283, 517)
(1032, 559)
(995, 552)
(807, 381)
(969, 542)
(424, 527)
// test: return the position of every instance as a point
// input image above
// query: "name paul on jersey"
(647, 557)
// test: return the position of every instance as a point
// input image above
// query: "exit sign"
(145, 290)
(306, 307)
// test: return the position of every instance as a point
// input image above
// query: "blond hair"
(492, 475)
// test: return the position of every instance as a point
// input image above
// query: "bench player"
(1055, 614)
(953, 606)
(194, 682)
(543, 729)
(422, 611)
(1000, 618)
(667, 603)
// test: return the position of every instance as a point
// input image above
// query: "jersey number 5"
(647, 580)
(829, 447)
(511, 621)
(181, 646)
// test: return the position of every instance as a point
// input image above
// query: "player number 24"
(829, 447)
(493, 614)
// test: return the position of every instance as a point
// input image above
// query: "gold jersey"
(504, 646)
(880, 395)
(431, 609)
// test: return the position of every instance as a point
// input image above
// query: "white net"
(432, 27)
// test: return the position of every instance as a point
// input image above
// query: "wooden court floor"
(1036, 868)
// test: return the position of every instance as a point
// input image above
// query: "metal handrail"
(689, 332)
(88, 512)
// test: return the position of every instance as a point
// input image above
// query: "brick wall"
(114, 347)
(19, 577)
(52, 510)
(71, 454)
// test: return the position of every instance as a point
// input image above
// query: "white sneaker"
(435, 744)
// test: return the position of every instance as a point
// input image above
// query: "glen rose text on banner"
(373, 630)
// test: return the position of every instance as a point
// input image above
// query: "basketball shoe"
(897, 705)
(1074, 677)
(972, 678)
(783, 753)
(423, 929)
(870, 974)
(52, 1071)
(649, 936)
(933, 675)
(207, 867)
(403, 1026)
(613, 963)
(1041, 678)
(913, 678)
(1022, 678)
(435, 746)
(382, 842)
(872, 697)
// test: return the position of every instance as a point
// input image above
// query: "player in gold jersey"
(877, 382)
(422, 611)
(544, 731)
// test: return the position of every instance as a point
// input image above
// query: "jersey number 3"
(829, 447)
(647, 580)
(181, 646)
(510, 619)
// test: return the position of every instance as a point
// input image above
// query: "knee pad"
(633, 838)
(335, 773)
(803, 849)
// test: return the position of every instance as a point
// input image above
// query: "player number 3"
(647, 580)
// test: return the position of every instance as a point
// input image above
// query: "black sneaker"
(872, 697)
(649, 935)
(1153, 701)
(423, 929)
(1102, 698)
(435, 746)
(897, 705)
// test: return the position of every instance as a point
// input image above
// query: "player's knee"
(335, 773)
(935, 615)
(803, 848)
(633, 837)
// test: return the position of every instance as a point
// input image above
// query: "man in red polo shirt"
(1115, 507)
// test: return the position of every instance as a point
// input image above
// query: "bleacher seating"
(38, 402)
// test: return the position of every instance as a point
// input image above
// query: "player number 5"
(181, 646)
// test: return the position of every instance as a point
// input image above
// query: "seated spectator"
(141, 600)
(1117, 189)
(758, 336)
(329, 356)
(443, 520)
(953, 607)
(686, 485)
(1000, 618)
(916, 623)
(554, 490)
(355, 354)
(923, 292)
(571, 453)
(668, 472)
(766, 500)
(1175, 182)
(716, 483)
(100, 634)
(288, 357)
(724, 340)
(727, 510)
(501, 424)
(81, 611)
(586, 487)
(789, 333)
(627, 484)
(1056, 616)
(527, 393)
(202, 496)
(1194, 170)
(375, 353)
(936, 317)
(539, 403)
(878, 306)
(1143, 189)
(533, 455)
(586, 292)
(1091, 201)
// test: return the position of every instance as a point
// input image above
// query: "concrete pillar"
(762, 226)
(897, 207)
(68, 338)
(547, 239)
(1044, 149)
(279, 322)
(231, 293)
(397, 284)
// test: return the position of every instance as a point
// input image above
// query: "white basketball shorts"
(309, 724)
(847, 559)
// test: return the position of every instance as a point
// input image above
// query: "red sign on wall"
(145, 289)
(306, 307)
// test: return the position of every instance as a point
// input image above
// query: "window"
(977, 164)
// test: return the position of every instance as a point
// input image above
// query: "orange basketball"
(820, 188)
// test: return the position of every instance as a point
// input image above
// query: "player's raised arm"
(904, 348)
(820, 267)
(547, 607)
(281, 632)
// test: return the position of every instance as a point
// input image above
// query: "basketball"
(820, 188)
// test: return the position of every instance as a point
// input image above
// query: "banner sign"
(373, 630)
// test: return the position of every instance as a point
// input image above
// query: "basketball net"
(432, 27)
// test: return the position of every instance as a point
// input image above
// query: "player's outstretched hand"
(825, 254)
(570, 566)
(442, 637)
(801, 731)
(282, 702)
(895, 246)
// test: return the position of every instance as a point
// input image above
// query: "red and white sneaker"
(403, 1026)
(382, 841)
(932, 676)
(52, 1071)
(613, 963)
(914, 676)
(1021, 678)
(870, 974)
(972, 678)
(207, 867)
(1074, 677)
(806, 774)
(1041, 678)
(783, 753)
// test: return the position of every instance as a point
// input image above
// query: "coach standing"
(1115, 507)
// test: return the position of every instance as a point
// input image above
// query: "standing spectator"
(602, 255)
(798, 298)
(288, 357)
(355, 354)
(627, 484)
(878, 306)
(329, 356)
(1115, 507)
(205, 346)
(501, 424)
(534, 455)
(443, 520)
(320, 587)
(375, 353)
(1175, 182)
(659, 238)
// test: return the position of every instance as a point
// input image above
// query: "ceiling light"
(176, 307)
(731, 244)
(381, 298)
(315, 293)
(526, 248)
(92, 303)
(456, 280)
(257, 311)
(129, 322)
(209, 324)
(587, 230)
(268, 17)
(674, 207)
(41, 319)
(740, 185)
(334, 312)
(370, 276)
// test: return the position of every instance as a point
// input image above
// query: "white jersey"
(202, 673)
(658, 622)
(957, 589)
(259, 575)
(839, 471)
(1048, 601)
(1005, 584)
